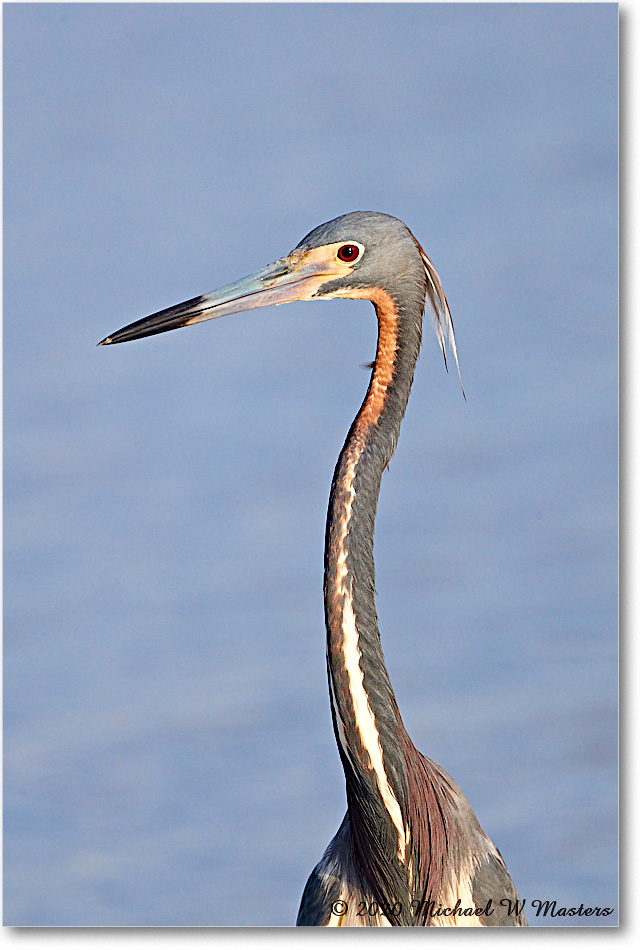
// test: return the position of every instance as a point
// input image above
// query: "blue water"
(169, 757)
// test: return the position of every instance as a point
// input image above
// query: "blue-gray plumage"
(409, 851)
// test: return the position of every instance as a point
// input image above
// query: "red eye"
(348, 253)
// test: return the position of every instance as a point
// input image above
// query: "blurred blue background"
(169, 757)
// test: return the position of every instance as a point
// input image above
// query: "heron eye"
(348, 253)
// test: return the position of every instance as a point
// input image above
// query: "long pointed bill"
(293, 278)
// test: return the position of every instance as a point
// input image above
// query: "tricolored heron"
(410, 850)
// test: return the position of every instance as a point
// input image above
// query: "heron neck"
(367, 723)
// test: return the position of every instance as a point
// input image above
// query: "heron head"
(364, 251)
(360, 254)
